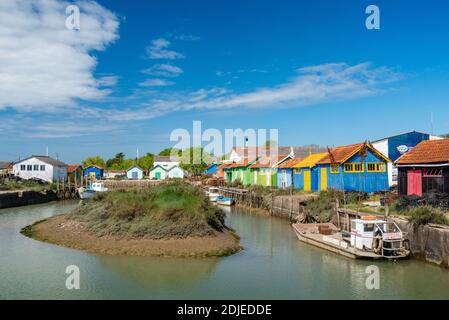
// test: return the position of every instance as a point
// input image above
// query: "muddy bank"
(62, 231)
(430, 244)
(10, 199)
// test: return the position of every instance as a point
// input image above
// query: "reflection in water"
(155, 271)
(273, 265)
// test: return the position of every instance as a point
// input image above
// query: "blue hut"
(93, 172)
(286, 172)
(305, 173)
(356, 167)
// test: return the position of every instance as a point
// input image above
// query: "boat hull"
(337, 246)
(87, 194)
(225, 202)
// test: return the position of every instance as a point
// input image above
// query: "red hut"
(424, 169)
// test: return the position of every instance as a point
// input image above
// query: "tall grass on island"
(175, 210)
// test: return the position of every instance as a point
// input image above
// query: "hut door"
(323, 179)
(284, 179)
(414, 182)
(307, 180)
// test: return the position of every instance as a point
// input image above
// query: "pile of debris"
(436, 200)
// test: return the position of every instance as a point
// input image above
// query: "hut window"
(36, 167)
(42, 167)
(297, 171)
(353, 167)
(335, 169)
(433, 172)
(29, 167)
(375, 167)
(22, 167)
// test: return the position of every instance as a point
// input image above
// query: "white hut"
(134, 173)
(41, 168)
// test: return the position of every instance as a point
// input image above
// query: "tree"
(188, 163)
(116, 163)
(146, 162)
(97, 161)
(167, 152)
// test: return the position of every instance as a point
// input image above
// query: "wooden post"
(387, 209)
(337, 206)
(291, 200)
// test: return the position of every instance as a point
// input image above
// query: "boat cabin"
(97, 186)
(379, 236)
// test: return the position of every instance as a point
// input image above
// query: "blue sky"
(136, 70)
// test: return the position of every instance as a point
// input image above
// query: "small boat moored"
(224, 201)
(90, 192)
(85, 193)
(213, 194)
(370, 238)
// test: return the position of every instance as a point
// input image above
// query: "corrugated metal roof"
(428, 151)
(311, 160)
(163, 159)
(72, 167)
(267, 162)
(290, 163)
(4, 165)
(343, 153)
(245, 162)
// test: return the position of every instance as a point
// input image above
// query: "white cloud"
(312, 85)
(68, 130)
(156, 82)
(187, 37)
(159, 50)
(44, 65)
(108, 81)
(163, 70)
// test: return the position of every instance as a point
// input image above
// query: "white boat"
(213, 194)
(370, 238)
(224, 201)
(98, 187)
(90, 192)
(86, 193)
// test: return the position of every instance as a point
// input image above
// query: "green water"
(273, 265)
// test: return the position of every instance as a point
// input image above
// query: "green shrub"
(426, 214)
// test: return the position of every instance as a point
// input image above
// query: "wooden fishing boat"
(370, 238)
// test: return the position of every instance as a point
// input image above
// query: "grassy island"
(173, 219)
